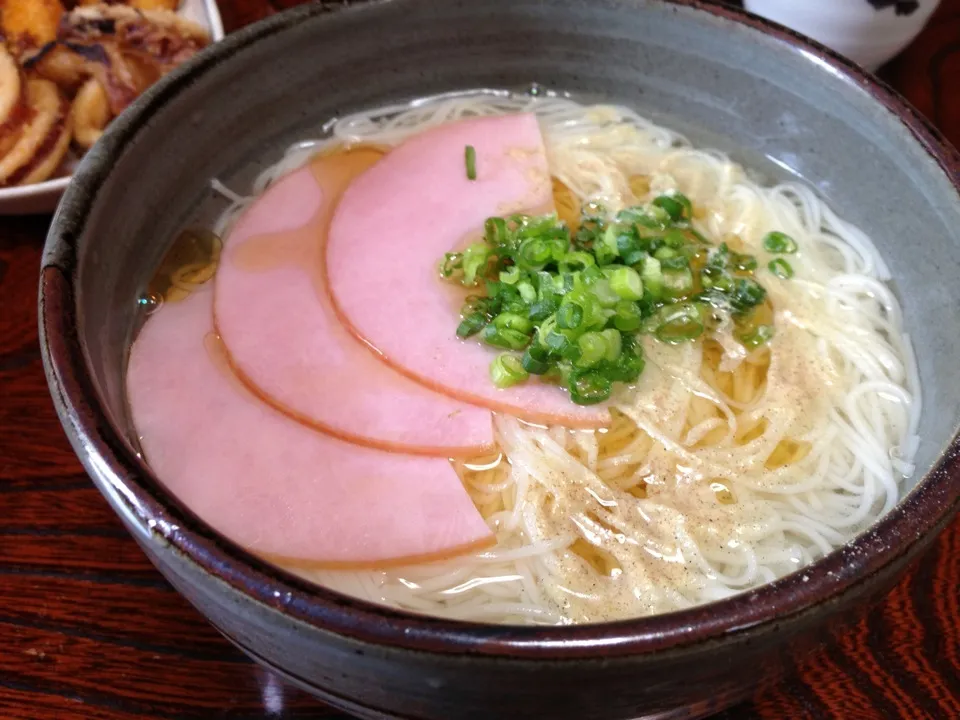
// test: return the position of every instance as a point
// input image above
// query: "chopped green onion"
(527, 292)
(614, 342)
(611, 239)
(507, 370)
(680, 323)
(451, 262)
(558, 342)
(712, 277)
(593, 349)
(781, 268)
(604, 255)
(742, 262)
(603, 291)
(534, 253)
(677, 262)
(627, 317)
(746, 294)
(471, 325)
(589, 387)
(655, 218)
(778, 242)
(541, 310)
(627, 367)
(495, 231)
(475, 258)
(592, 311)
(677, 283)
(510, 276)
(513, 321)
(505, 337)
(634, 258)
(535, 360)
(569, 308)
(574, 261)
(470, 156)
(760, 335)
(626, 283)
(543, 332)
(678, 206)
(675, 239)
(652, 277)
(570, 316)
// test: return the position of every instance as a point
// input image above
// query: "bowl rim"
(137, 496)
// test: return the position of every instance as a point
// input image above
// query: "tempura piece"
(29, 24)
(11, 101)
(44, 139)
(127, 50)
(90, 112)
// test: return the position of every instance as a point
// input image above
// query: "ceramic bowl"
(780, 105)
(869, 32)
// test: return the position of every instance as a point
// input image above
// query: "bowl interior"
(776, 108)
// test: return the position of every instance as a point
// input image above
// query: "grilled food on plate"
(68, 68)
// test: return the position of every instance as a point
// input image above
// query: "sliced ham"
(271, 484)
(393, 225)
(283, 338)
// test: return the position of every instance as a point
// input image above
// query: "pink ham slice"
(393, 225)
(284, 339)
(267, 482)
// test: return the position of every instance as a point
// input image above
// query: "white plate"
(43, 197)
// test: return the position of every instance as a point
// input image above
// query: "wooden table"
(88, 628)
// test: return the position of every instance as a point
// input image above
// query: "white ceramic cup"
(869, 32)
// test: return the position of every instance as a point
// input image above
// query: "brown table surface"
(88, 628)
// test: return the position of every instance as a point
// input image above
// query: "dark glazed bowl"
(776, 102)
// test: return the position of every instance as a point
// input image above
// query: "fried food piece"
(49, 157)
(10, 84)
(127, 49)
(12, 101)
(154, 4)
(60, 64)
(138, 4)
(40, 147)
(29, 24)
(90, 112)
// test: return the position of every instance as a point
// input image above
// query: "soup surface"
(511, 358)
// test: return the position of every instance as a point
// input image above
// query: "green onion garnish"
(593, 349)
(505, 338)
(781, 268)
(510, 276)
(570, 308)
(471, 325)
(760, 335)
(570, 316)
(680, 322)
(470, 156)
(589, 388)
(678, 206)
(626, 283)
(780, 243)
(535, 360)
(507, 370)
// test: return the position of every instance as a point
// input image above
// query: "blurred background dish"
(67, 68)
(869, 32)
